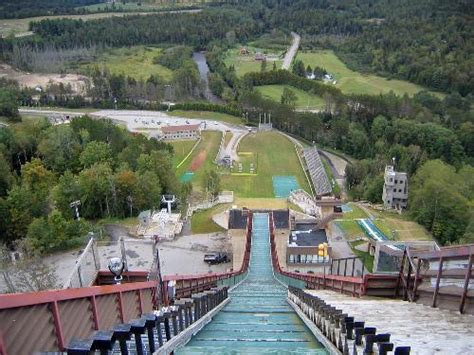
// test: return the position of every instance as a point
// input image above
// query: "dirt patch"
(79, 83)
(198, 160)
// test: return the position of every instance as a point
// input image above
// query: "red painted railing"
(355, 286)
(188, 284)
(48, 320)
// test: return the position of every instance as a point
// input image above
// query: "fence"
(388, 254)
(439, 278)
(137, 255)
(352, 266)
(48, 320)
(86, 269)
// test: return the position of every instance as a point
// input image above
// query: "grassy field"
(352, 82)
(20, 26)
(181, 149)
(350, 228)
(261, 203)
(206, 115)
(304, 100)
(394, 226)
(136, 62)
(201, 221)
(244, 64)
(276, 156)
(207, 148)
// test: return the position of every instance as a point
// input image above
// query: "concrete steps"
(426, 330)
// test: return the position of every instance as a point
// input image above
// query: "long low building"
(189, 131)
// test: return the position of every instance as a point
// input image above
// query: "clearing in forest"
(244, 62)
(352, 82)
(136, 62)
(304, 100)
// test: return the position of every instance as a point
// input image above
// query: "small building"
(244, 51)
(395, 189)
(259, 56)
(189, 131)
(307, 244)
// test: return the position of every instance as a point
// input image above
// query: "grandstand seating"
(316, 171)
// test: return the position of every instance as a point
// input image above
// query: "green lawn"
(136, 62)
(244, 64)
(276, 156)
(305, 100)
(201, 221)
(207, 115)
(208, 148)
(356, 212)
(181, 149)
(350, 228)
(351, 82)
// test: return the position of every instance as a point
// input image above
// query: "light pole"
(116, 267)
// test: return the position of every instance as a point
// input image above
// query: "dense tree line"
(195, 29)
(426, 42)
(31, 8)
(43, 168)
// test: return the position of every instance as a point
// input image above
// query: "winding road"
(290, 54)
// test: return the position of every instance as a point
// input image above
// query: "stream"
(201, 62)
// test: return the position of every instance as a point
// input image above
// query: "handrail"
(206, 281)
(345, 260)
(352, 285)
(34, 298)
(411, 276)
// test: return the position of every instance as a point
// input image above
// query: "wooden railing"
(440, 278)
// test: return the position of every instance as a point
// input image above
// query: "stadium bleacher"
(316, 171)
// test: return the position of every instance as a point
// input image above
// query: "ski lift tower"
(169, 200)
(75, 205)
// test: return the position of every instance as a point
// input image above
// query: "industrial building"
(307, 244)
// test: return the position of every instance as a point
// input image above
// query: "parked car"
(216, 258)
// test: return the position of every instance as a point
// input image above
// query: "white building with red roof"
(188, 131)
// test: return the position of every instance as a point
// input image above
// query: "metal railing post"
(466, 283)
(438, 279)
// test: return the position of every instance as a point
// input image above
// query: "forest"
(31, 8)
(43, 168)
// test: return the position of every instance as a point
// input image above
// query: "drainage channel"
(258, 319)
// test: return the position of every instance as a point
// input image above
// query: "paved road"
(150, 122)
(292, 51)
